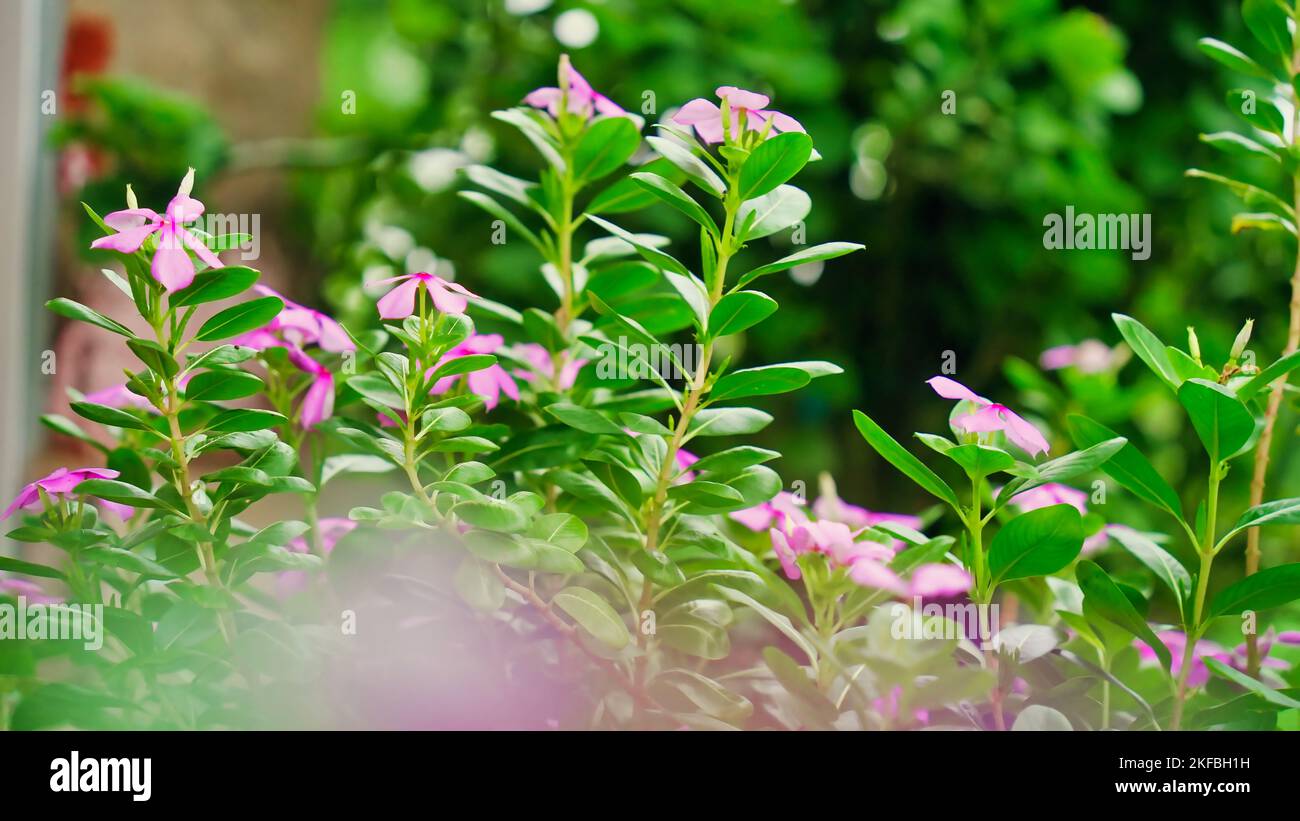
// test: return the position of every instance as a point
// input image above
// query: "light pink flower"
(1050, 494)
(171, 264)
(488, 383)
(297, 326)
(747, 108)
(582, 99)
(773, 513)
(544, 364)
(59, 484)
(990, 417)
(1089, 356)
(318, 402)
(399, 303)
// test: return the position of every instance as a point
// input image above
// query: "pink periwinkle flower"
(171, 264)
(1176, 641)
(582, 99)
(118, 396)
(990, 417)
(748, 111)
(297, 326)
(330, 530)
(488, 383)
(318, 402)
(1089, 356)
(785, 506)
(683, 460)
(27, 590)
(59, 485)
(399, 303)
(543, 364)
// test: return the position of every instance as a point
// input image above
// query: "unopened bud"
(130, 198)
(1193, 344)
(187, 184)
(1242, 340)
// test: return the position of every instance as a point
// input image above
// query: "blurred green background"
(1050, 104)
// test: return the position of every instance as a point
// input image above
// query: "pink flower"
(786, 554)
(990, 417)
(399, 303)
(683, 460)
(171, 265)
(1176, 641)
(59, 484)
(297, 326)
(544, 364)
(27, 590)
(746, 107)
(1089, 356)
(318, 403)
(582, 99)
(1050, 494)
(117, 396)
(772, 513)
(940, 580)
(330, 531)
(488, 383)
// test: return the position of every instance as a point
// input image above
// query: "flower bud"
(1193, 344)
(187, 184)
(131, 202)
(1243, 339)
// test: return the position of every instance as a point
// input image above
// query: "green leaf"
(1062, 468)
(214, 284)
(649, 253)
(106, 415)
(477, 583)
(777, 620)
(1278, 512)
(1104, 598)
(1158, 560)
(1254, 685)
(29, 568)
(1222, 422)
(584, 419)
(625, 195)
(827, 250)
(502, 213)
(563, 530)
(158, 359)
(694, 168)
(503, 184)
(605, 146)
(1268, 21)
(238, 319)
(1127, 466)
(677, 198)
(1149, 349)
(1037, 543)
(898, 456)
(1270, 587)
(728, 422)
(774, 211)
(461, 364)
(980, 460)
(114, 491)
(772, 163)
(710, 494)
(728, 462)
(218, 385)
(1228, 56)
(1039, 717)
(738, 311)
(761, 381)
(594, 615)
(244, 420)
(75, 310)
(1268, 376)
(1234, 144)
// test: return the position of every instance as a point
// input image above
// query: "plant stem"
(1195, 628)
(1260, 470)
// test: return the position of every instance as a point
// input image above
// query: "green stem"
(1195, 627)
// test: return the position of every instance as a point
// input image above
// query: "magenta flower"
(59, 484)
(990, 417)
(748, 111)
(399, 303)
(171, 265)
(318, 402)
(488, 383)
(297, 326)
(582, 99)
(683, 460)
(1089, 356)
(543, 364)
(330, 530)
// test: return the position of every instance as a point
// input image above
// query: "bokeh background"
(1094, 105)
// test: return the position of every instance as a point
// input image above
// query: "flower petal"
(399, 303)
